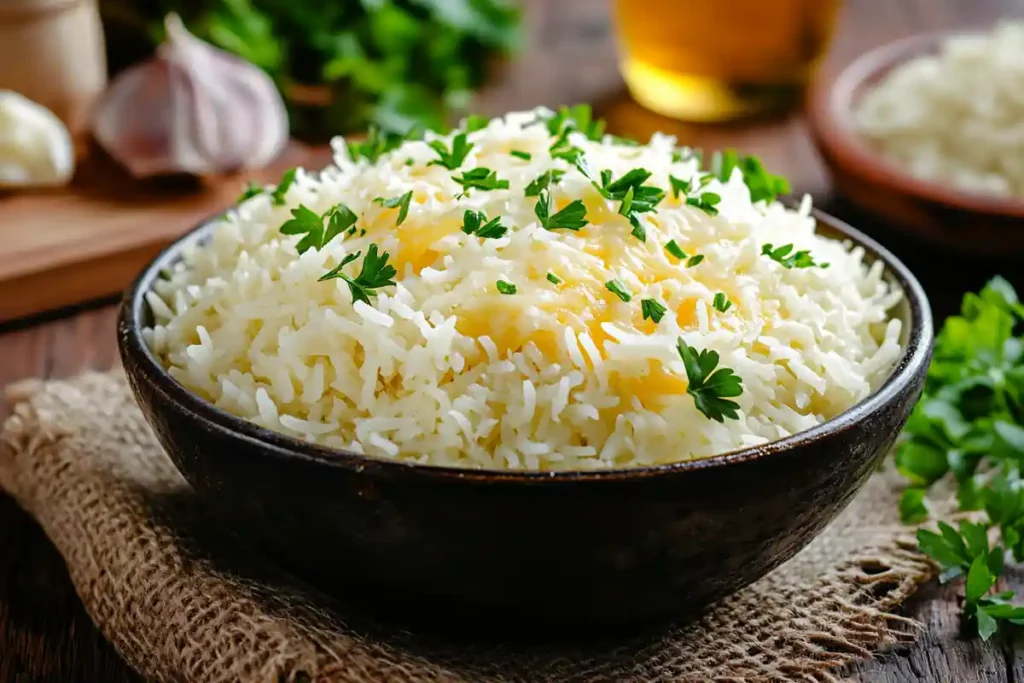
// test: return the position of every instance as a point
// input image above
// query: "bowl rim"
(830, 120)
(137, 358)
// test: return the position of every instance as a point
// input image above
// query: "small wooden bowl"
(944, 215)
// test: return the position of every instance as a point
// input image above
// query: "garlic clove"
(192, 108)
(35, 146)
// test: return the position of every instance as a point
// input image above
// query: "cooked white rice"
(442, 369)
(955, 117)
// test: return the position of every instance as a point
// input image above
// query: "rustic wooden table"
(46, 636)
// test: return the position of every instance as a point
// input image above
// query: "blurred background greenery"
(341, 64)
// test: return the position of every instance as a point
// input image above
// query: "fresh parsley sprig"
(786, 258)
(721, 302)
(308, 223)
(374, 274)
(711, 388)
(476, 223)
(507, 288)
(572, 217)
(451, 158)
(633, 196)
(706, 202)
(969, 426)
(578, 117)
(400, 202)
(480, 178)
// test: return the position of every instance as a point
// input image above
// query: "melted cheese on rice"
(443, 369)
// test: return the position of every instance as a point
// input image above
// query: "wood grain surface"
(45, 635)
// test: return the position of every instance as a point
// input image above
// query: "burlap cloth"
(183, 601)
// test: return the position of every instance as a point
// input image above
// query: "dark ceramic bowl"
(593, 548)
(940, 214)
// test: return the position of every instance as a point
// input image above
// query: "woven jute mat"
(184, 601)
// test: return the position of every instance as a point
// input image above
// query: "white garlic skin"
(191, 109)
(35, 146)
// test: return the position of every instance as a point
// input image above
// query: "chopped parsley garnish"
(711, 389)
(633, 196)
(761, 183)
(401, 203)
(543, 181)
(374, 274)
(782, 256)
(678, 186)
(694, 260)
(578, 117)
(476, 223)
(572, 217)
(450, 158)
(554, 279)
(721, 302)
(480, 178)
(618, 289)
(706, 202)
(377, 143)
(561, 148)
(251, 190)
(505, 287)
(968, 430)
(305, 222)
(673, 248)
(475, 122)
(278, 193)
(521, 154)
(652, 309)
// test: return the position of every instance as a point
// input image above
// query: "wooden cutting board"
(86, 241)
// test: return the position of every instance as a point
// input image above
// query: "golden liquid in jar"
(709, 60)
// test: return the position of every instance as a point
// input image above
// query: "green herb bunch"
(969, 428)
(392, 63)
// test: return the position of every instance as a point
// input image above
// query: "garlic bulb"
(35, 146)
(192, 109)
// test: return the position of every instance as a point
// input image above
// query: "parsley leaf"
(554, 279)
(251, 190)
(678, 186)
(451, 158)
(376, 144)
(653, 309)
(506, 287)
(633, 196)
(761, 184)
(711, 389)
(401, 203)
(278, 193)
(520, 154)
(694, 260)
(311, 225)
(618, 289)
(561, 148)
(572, 217)
(481, 179)
(706, 202)
(476, 223)
(543, 181)
(673, 248)
(721, 302)
(374, 274)
(475, 122)
(782, 256)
